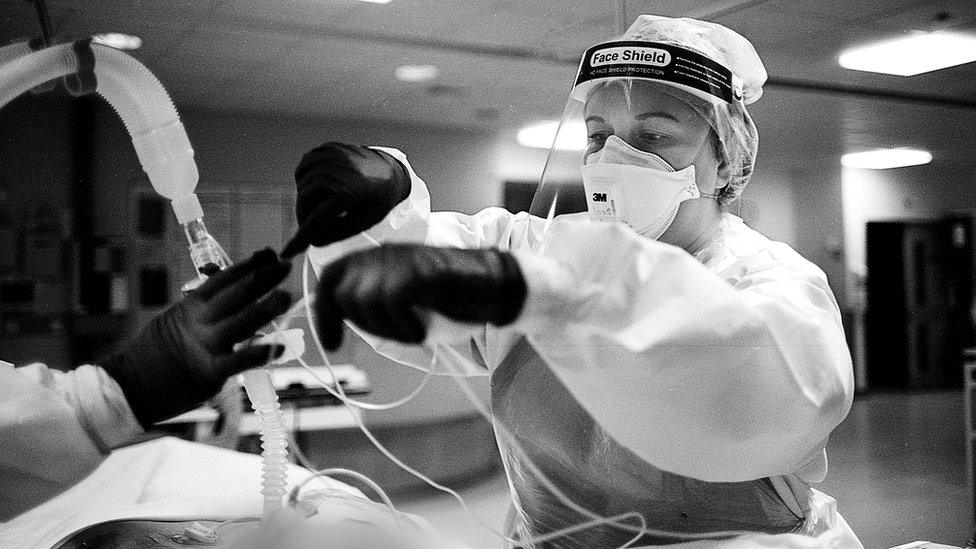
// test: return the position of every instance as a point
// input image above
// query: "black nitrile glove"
(344, 190)
(384, 290)
(183, 356)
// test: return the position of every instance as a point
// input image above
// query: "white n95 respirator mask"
(635, 187)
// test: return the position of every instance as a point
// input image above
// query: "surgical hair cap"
(737, 133)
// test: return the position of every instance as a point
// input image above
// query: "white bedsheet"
(167, 477)
(172, 478)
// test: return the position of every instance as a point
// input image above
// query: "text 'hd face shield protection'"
(643, 106)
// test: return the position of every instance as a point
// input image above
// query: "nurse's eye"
(599, 137)
(651, 136)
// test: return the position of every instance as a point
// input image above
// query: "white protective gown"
(701, 385)
(56, 428)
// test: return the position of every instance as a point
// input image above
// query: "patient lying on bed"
(144, 495)
(348, 533)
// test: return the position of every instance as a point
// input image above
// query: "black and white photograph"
(497, 274)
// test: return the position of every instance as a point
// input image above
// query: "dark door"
(919, 293)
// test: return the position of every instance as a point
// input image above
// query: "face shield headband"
(667, 63)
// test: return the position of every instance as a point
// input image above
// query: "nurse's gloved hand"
(344, 190)
(183, 356)
(385, 290)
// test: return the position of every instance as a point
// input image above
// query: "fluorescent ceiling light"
(541, 136)
(416, 73)
(882, 159)
(922, 52)
(376, 1)
(118, 40)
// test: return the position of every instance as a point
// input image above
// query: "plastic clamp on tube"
(83, 81)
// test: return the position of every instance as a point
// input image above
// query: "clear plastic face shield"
(647, 127)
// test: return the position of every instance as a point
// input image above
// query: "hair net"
(737, 133)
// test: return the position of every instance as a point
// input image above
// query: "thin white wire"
(597, 520)
(341, 395)
(293, 496)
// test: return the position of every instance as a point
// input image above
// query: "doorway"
(919, 294)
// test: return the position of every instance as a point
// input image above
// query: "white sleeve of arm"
(412, 221)
(696, 376)
(56, 427)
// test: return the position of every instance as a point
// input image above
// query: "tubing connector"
(83, 81)
(167, 158)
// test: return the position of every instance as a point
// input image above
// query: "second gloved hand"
(385, 290)
(184, 355)
(344, 190)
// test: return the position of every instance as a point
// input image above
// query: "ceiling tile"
(159, 37)
(135, 8)
(681, 8)
(929, 15)
(303, 13)
(244, 45)
(768, 25)
(843, 9)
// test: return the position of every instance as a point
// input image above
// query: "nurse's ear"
(723, 170)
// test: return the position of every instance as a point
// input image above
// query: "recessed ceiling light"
(882, 159)
(922, 52)
(416, 73)
(118, 40)
(376, 1)
(541, 136)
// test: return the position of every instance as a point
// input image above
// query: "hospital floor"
(897, 469)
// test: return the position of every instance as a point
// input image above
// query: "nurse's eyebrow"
(595, 119)
(658, 114)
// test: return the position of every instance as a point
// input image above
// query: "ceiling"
(507, 62)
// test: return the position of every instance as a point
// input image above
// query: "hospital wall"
(914, 193)
(37, 159)
(819, 224)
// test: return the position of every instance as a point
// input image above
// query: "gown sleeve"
(697, 375)
(56, 427)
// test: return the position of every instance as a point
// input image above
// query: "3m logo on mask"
(599, 197)
(632, 55)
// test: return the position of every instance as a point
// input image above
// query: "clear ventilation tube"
(166, 156)
(205, 252)
(13, 51)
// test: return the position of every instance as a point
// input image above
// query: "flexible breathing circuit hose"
(141, 102)
(164, 151)
(274, 444)
(13, 51)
